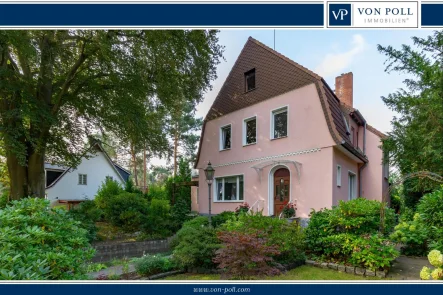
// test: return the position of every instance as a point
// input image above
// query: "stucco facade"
(322, 134)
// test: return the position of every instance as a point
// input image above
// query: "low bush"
(425, 230)
(246, 255)
(88, 214)
(158, 222)
(38, 243)
(127, 210)
(153, 264)
(242, 208)
(195, 244)
(219, 219)
(4, 199)
(436, 259)
(288, 236)
(348, 233)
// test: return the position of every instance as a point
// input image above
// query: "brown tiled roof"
(275, 74)
(375, 131)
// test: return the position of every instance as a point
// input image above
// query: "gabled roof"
(93, 146)
(275, 75)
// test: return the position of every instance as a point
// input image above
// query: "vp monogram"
(340, 14)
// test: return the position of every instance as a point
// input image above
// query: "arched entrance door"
(281, 189)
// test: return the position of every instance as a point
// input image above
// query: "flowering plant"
(436, 259)
(289, 210)
(243, 208)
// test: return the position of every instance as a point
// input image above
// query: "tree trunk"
(26, 180)
(144, 171)
(134, 161)
(175, 151)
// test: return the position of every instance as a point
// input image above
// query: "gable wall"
(67, 188)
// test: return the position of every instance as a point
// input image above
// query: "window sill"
(236, 201)
(224, 150)
(248, 144)
(250, 90)
(279, 137)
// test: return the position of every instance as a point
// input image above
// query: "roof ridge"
(287, 59)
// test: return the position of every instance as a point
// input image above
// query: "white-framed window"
(352, 185)
(338, 175)
(250, 131)
(229, 189)
(225, 137)
(279, 123)
(82, 179)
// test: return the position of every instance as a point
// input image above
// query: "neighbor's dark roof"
(275, 75)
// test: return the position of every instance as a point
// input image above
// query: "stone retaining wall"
(108, 251)
(348, 269)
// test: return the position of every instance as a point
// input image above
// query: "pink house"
(277, 133)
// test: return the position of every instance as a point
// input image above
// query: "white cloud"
(335, 63)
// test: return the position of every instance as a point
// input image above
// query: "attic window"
(250, 80)
(82, 179)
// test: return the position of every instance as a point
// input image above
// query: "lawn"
(300, 273)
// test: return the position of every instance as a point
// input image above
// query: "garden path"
(112, 270)
(407, 268)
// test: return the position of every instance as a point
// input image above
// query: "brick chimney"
(344, 88)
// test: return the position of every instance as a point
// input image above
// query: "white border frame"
(349, 186)
(271, 187)
(277, 111)
(338, 176)
(214, 190)
(220, 137)
(245, 120)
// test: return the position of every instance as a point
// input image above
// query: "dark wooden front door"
(281, 189)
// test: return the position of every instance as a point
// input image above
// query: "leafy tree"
(183, 127)
(416, 140)
(57, 87)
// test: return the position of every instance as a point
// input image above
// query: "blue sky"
(329, 53)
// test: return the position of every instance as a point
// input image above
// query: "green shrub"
(157, 192)
(219, 219)
(196, 247)
(348, 233)
(127, 210)
(4, 199)
(159, 219)
(425, 230)
(195, 223)
(153, 264)
(37, 243)
(180, 213)
(88, 214)
(108, 189)
(287, 236)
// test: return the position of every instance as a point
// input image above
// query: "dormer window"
(250, 80)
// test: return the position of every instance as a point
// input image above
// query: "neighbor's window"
(280, 123)
(352, 184)
(250, 131)
(229, 188)
(83, 179)
(225, 137)
(250, 80)
(338, 175)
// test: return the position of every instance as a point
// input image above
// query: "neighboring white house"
(81, 183)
